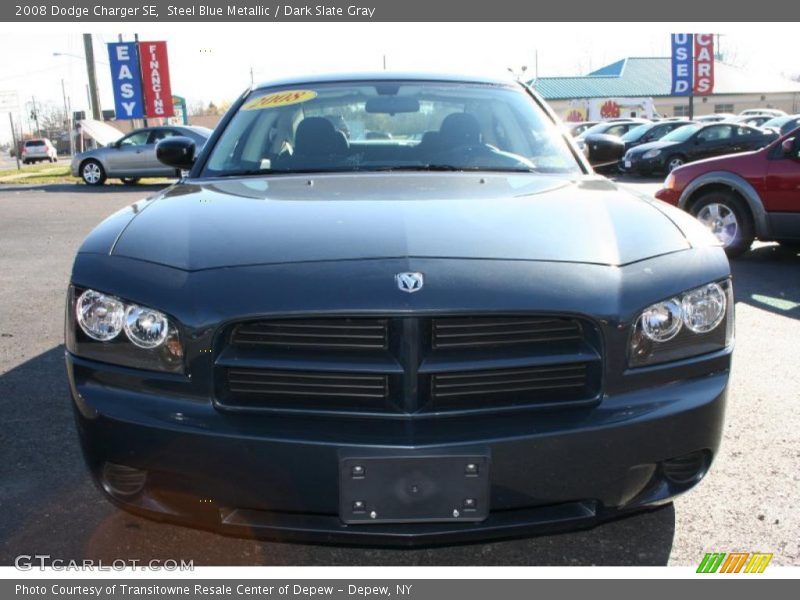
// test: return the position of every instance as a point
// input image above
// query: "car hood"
(289, 219)
(658, 145)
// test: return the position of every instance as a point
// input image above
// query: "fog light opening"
(122, 481)
(687, 469)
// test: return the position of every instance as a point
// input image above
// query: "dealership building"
(639, 85)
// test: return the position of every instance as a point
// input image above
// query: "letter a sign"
(126, 80)
(703, 64)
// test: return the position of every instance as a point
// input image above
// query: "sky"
(212, 62)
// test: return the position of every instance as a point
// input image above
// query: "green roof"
(652, 77)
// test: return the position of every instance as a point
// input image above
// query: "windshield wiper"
(381, 169)
(452, 168)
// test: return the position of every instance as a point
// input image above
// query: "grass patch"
(44, 173)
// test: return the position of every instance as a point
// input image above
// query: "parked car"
(693, 142)
(751, 120)
(577, 128)
(782, 125)
(456, 332)
(38, 150)
(605, 151)
(133, 156)
(715, 118)
(772, 112)
(608, 151)
(744, 196)
(616, 127)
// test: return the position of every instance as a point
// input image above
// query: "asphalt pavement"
(48, 505)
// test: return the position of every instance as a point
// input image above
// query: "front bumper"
(277, 476)
(643, 166)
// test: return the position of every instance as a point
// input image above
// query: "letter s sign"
(703, 64)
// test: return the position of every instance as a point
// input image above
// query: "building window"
(723, 108)
(680, 110)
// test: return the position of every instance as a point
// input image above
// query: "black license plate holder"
(414, 489)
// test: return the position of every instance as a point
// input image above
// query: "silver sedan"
(133, 156)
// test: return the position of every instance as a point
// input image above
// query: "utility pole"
(88, 49)
(67, 118)
(252, 79)
(14, 139)
(35, 116)
(384, 62)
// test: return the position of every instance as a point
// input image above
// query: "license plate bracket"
(414, 489)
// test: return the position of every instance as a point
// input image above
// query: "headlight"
(704, 308)
(651, 153)
(684, 326)
(145, 327)
(95, 325)
(100, 316)
(662, 322)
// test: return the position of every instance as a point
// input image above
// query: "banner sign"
(155, 79)
(126, 80)
(703, 64)
(682, 64)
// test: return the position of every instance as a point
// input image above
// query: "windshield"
(637, 132)
(777, 122)
(681, 134)
(599, 128)
(385, 125)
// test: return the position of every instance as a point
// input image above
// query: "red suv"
(743, 196)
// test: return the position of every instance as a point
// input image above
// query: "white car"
(772, 112)
(38, 149)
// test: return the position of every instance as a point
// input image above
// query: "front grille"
(293, 389)
(510, 385)
(403, 365)
(345, 334)
(476, 332)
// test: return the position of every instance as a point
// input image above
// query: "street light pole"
(88, 49)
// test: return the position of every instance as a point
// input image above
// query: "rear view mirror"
(392, 105)
(177, 152)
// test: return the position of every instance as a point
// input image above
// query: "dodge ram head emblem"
(409, 282)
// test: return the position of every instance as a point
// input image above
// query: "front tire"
(92, 173)
(675, 161)
(728, 218)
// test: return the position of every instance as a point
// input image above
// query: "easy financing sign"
(692, 64)
(140, 79)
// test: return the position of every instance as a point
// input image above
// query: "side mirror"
(177, 152)
(790, 148)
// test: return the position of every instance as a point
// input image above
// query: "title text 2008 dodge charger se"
(398, 310)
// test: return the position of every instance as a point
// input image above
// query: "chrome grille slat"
(454, 332)
(408, 365)
(344, 333)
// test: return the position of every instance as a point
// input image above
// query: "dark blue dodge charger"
(398, 310)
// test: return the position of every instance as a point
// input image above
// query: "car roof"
(385, 76)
